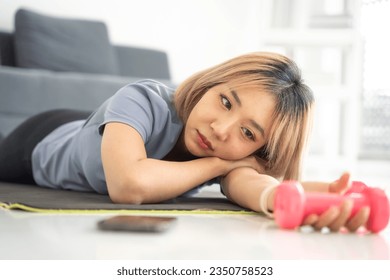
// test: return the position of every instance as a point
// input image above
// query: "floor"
(49, 236)
(28, 236)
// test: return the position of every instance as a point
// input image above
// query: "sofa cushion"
(60, 44)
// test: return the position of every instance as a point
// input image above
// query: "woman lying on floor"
(244, 123)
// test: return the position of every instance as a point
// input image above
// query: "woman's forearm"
(151, 180)
(245, 185)
(134, 178)
(311, 186)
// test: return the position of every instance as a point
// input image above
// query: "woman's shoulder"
(149, 91)
(152, 86)
(147, 98)
(143, 93)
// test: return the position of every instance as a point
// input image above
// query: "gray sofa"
(49, 63)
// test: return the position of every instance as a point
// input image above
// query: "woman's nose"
(222, 129)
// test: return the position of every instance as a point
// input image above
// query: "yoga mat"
(44, 200)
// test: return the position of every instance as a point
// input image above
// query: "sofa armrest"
(142, 62)
(25, 92)
(7, 56)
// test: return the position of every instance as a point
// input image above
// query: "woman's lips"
(203, 142)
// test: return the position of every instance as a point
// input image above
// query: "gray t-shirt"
(70, 158)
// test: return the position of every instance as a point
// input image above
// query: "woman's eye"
(225, 102)
(248, 134)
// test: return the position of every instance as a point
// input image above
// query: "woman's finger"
(360, 219)
(345, 213)
(327, 217)
(310, 220)
(341, 185)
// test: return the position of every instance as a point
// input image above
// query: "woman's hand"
(336, 218)
(341, 185)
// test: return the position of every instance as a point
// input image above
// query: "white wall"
(195, 33)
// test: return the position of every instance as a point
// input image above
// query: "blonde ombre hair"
(278, 75)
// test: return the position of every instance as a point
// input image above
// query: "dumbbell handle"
(317, 203)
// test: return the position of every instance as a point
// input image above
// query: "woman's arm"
(244, 186)
(338, 186)
(133, 178)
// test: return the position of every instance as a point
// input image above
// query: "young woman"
(244, 122)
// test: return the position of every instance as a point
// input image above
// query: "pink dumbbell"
(292, 205)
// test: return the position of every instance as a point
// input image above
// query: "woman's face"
(229, 123)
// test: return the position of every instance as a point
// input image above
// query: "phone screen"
(136, 223)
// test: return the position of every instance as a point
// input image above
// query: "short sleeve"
(138, 108)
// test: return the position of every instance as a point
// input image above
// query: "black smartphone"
(137, 223)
